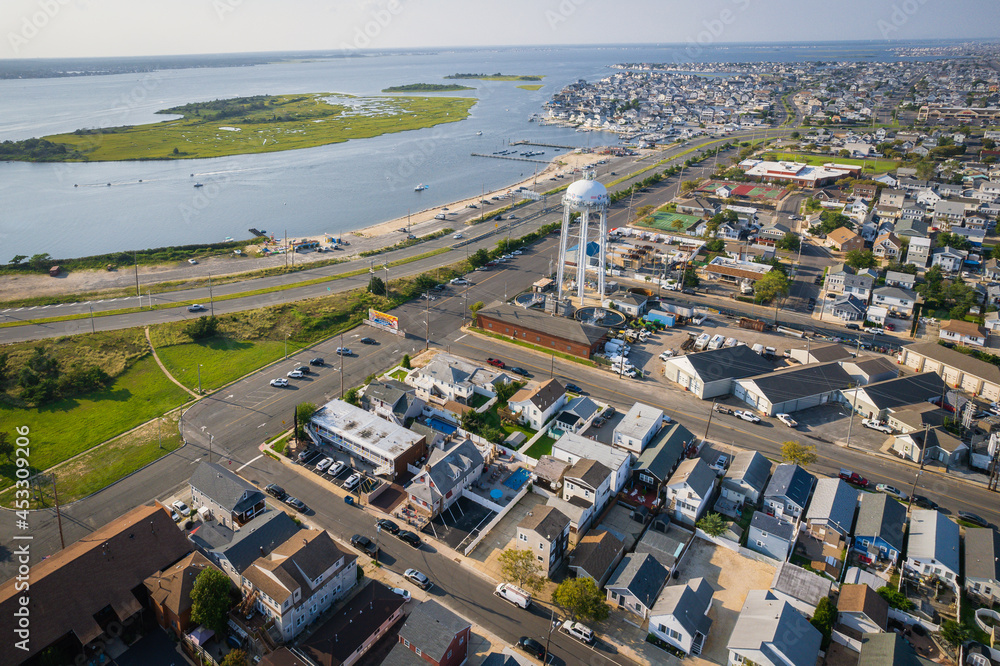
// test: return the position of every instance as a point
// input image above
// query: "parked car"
(520, 371)
(872, 424)
(598, 422)
(609, 411)
(369, 341)
(891, 490)
(924, 502)
(409, 537)
(275, 491)
(573, 388)
(853, 327)
(388, 526)
(181, 508)
(532, 647)
(316, 361)
(403, 593)
(279, 383)
(417, 578)
(578, 631)
(787, 420)
(747, 416)
(323, 464)
(176, 517)
(352, 482)
(853, 477)
(460, 281)
(336, 468)
(343, 351)
(973, 518)
(497, 363)
(364, 544)
(720, 464)
(196, 307)
(295, 374)
(304, 369)
(304, 455)
(296, 504)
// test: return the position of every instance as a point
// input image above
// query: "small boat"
(420, 188)
(479, 133)
(198, 185)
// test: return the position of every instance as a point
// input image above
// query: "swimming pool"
(517, 479)
(441, 425)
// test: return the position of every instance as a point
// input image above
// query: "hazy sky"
(67, 28)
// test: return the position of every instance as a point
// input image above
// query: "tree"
(799, 454)
(351, 396)
(40, 261)
(715, 245)
(6, 446)
(790, 241)
(824, 618)
(405, 363)
(376, 285)
(211, 600)
(202, 328)
(476, 307)
(520, 567)
(860, 259)
(479, 258)
(17, 260)
(895, 598)
(643, 211)
(771, 285)
(713, 524)
(303, 412)
(925, 169)
(690, 279)
(235, 657)
(688, 186)
(581, 599)
(954, 633)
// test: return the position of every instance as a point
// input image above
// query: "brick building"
(541, 329)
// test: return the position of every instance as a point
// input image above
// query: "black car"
(316, 361)
(973, 518)
(369, 341)
(532, 647)
(574, 388)
(364, 544)
(689, 292)
(520, 371)
(410, 538)
(304, 369)
(924, 502)
(609, 412)
(296, 504)
(275, 491)
(388, 526)
(853, 327)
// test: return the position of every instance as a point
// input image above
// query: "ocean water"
(69, 210)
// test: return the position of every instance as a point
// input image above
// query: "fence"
(496, 519)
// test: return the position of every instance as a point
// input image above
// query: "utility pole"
(427, 320)
(55, 493)
(211, 438)
(850, 425)
(709, 423)
(211, 300)
(548, 640)
(93, 329)
(341, 365)
(199, 378)
(135, 260)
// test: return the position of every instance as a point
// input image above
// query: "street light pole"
(548, 639)
(93, 329)
(427, 321)
(210, 299)
(286, 345)
(341, 365)
(199, 379)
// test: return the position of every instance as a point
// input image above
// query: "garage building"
(881, 399)
(710, 374)
(955, 368)
(790, 390)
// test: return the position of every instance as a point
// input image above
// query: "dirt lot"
(731, 576)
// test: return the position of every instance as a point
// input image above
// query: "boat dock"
(510, 157)
(525, 142)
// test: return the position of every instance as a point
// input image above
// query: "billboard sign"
(384, 320)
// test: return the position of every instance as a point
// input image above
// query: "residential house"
(878, 533)
(788, 492)
(901, 280)
(899, 301)
(845, 240)
(666, 542)
(933, 443)
(770, 632)
(916, 417)
(638, 427)
(586, 490)
(298, 581)
(228, 498)
(774, 231)
(596, 556)
(892, 197)
(434, 634)
(982, 564)
(630, 304)
(849, 308)
(545, 533)
(445, 476)
(571, 448)
(832, 508)
(636, 584)
(680, 615)
(963, 333)
(932, 550)
(991, 269)
(699, 207)
(880, 649)
(887, 247)
(234, 552)
(655, 465)
(914, 229)
(746, 478)
(801, 588)
(710, 374)
(689, 490)
(842, 279)
(537, 405)
(865, 190)
(770, 536)
(170, 593)
(862, 610)
(949, 259)
(974, 236)
(576, 415)
(448, 378)
(392, 400)
(918, 252)
(948, 212)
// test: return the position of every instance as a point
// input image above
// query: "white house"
(449, 377)
(897, 300)
(638, 427)
(587, 482)
(933, 546)
(963, 332)
(689, 490)
(771, 632)
(536, 406)
(572, 448)
(680, 615)
(949, 259)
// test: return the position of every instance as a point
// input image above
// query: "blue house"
(878, 533)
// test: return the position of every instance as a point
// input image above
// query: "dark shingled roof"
(792, 482)
(666, 448)
(982, 553)
(728, 363)
(351, 626)
(802, 382)
(535, 320)
(772, 525)
(596, 552)
(225, 488)
(642, 575)
(547, 521)
(963, 362)
(881, 516)
(264, 533)
(906, 390)
(889, 649)
(432, 627)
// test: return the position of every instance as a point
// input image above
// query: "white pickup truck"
(877, 425)
(577, 631)
(787, 420)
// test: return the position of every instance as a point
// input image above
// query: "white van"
(513, 594)
(758, 349)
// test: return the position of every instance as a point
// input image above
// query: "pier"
(510, 157)
(525, 142)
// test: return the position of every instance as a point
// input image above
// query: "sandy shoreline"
(375, 236)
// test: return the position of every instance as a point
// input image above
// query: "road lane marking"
(240, 468)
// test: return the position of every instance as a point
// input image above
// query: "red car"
(853, 477)
(496, 363)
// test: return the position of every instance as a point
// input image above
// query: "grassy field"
(264, 124)
(542, 447)
(531, 86)
(103, 465)
(875, 166)
(65, 428)
(426, 87)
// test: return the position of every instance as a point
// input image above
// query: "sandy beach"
(421, 223)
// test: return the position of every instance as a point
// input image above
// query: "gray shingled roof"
(642, 575)
(906, 390)
(589, 472)
(791, 482)
(697, 474)
(225, 488)
(802, 381)
(932, 535)
(982, 553)
(688, 604)
(664, 450)
(432, 627)
(535, 320)
(547, 521)
(258, 537)
(728, 362)
(751, 468)
(595, 552)
(800, 583)
(772, 525)
(963, 362)
(834, 502)
(774, 626)
(889, 649)
(881, 516)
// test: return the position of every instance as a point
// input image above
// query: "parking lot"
(323, 461)
(460, 523)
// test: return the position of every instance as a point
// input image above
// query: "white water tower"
(589, 198)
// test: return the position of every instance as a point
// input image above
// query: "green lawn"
(63, 429)
(878, 166)
(530, 86)
(542, 447)
(222, 360)
(477, 400)
(400, 375)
